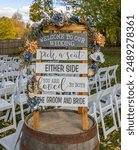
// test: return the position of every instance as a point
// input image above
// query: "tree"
(105, 13)
(17, 16)
(12, 29)
(7, 29)
(20, 27)
(39, 8)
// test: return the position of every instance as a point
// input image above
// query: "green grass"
(112, 57)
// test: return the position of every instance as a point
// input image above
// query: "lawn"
(112, 57)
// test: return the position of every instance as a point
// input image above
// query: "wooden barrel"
(59, 130)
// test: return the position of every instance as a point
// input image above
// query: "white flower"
(98, 57)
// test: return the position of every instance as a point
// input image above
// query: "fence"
(9, 47)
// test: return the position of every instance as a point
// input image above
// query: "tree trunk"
(118, 35)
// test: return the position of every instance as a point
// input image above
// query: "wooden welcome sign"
(63, 40)
(63, 72)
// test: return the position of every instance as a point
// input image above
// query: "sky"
(9, 7)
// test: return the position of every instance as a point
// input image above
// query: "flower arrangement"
(100, 39)
(27, 53)
(96, 41)
(58, 19)
(33, 88)
(31, 46)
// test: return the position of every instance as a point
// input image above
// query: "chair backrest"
(107, 91)
(102, 73)
(112, 70)
(94, 98)
(117, 90)
(17, 134)
(21, 86)
(7, 92)
(11, 76)
(4, 68)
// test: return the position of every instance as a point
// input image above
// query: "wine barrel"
(59, 130)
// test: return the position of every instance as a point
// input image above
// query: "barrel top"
(60, 122)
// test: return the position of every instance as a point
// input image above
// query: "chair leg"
(14, 116)
(102, 122)
(96, 86)
(114, 120)
(22, 112)
(115, 80)
(109, 82)
(29, 109)
(7, 115)
(100, 86)
(106, 82)
(95, 116)
(118, 114)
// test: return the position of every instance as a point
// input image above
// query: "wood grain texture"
(36, 113)
(73, 27)
(54, 137)
(84, 109)
(36, 119)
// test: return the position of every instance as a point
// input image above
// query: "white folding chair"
(12, 142)
(106, 108)
(102, 77)
(93, 104)
(93, 84)
(117, 101)
(4, 68)
(16, 58)
(112, 74)
(11, 76)
(21, 98)
(116, 97)
(7, 106)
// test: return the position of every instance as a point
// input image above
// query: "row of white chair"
(103, 103)
(8, 58)
(12, 96)
(103, 78)
(9, 66)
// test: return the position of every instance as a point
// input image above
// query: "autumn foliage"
(11, 28)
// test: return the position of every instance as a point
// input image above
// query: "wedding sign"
(63, 100)
(52, 54)
(60, 70)
(63, 40)
(64, 68)
(63, 84)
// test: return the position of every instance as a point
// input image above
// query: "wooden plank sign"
(62, 68)
(62, 71)
(63, 40)
(52, 54)
(63, 79)
(63, 100)
(63, 84)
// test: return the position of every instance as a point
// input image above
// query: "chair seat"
(4, 105)
(12, 142)
(7, 141)
(8, 83)
(22, 99)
